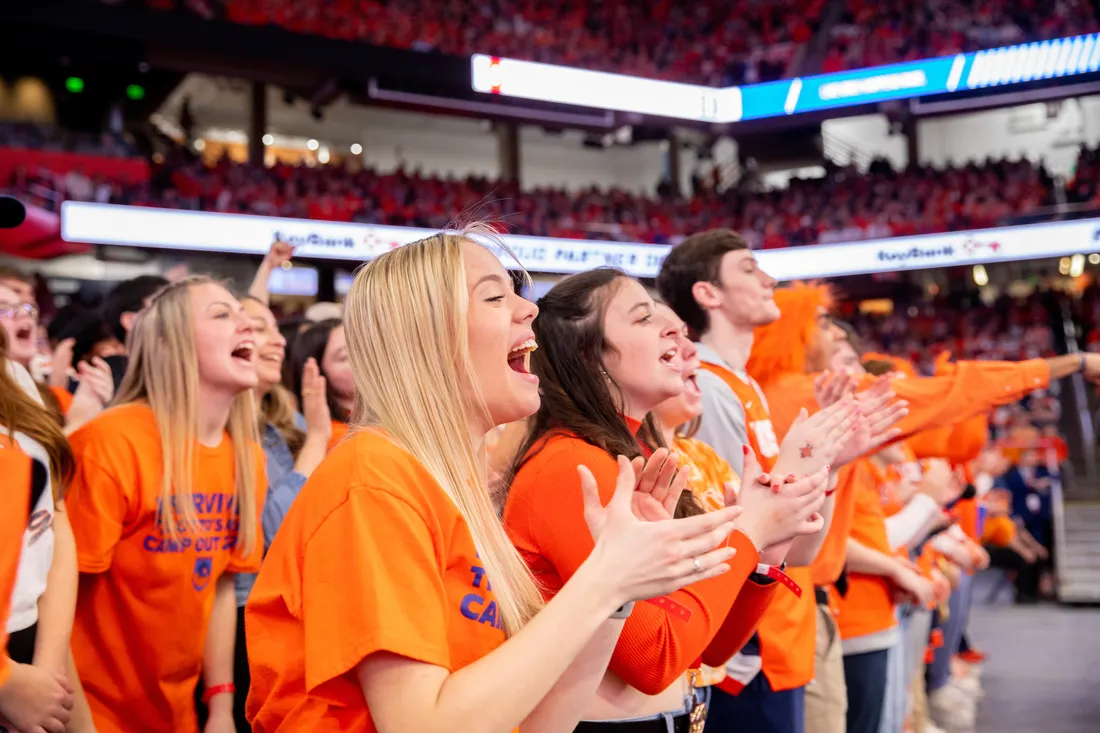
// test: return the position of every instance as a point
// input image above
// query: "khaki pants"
(827, 695)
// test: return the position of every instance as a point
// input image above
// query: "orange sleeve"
(251, 564)
(975, 387)
(15, 467)
(545, 517)
(786, 398)
(394, 602)
(740, 623)
(829, 563)
(98, 500)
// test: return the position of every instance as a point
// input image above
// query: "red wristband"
(775, 573)
(225, 687)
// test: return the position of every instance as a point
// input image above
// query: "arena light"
(133, 226)
(981, 277)
(1077, 265)
(999, 67)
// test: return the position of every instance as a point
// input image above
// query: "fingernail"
(790, 477)
(775, 488)
(764, 478)
(828, 467)
(745, 450)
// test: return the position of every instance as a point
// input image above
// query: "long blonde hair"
(405, 319)
(163, 373)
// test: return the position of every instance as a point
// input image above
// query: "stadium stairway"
(1077, 552)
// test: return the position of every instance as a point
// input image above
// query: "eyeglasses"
(11, 311)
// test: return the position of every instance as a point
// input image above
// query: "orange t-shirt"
(339, 432)
(411, 585)
(868, 607)
(64, 398)
(15, 467)
(145, 599)
(663, 639)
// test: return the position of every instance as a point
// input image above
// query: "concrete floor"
(1043, 671)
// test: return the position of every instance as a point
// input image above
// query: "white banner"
(238, 233)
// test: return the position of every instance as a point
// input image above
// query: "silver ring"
(695, 564)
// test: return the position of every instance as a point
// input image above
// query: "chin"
(517, 407)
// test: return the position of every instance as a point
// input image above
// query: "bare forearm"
(217, 663)
(804, 549)
(1063, 366)
(258, 289)
(81, 720)
(470, 699)
(57, 606)
(563, 707)
(862, 559)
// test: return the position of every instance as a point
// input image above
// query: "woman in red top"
(606, 360)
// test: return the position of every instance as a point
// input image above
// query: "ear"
(127, 320)
(706, 295)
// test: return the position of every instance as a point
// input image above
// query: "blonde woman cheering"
(392, 599)
(165, 509)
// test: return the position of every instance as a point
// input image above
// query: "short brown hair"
(878, 367)
(8, 272)
(697, 259)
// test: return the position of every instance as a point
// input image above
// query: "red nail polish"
(775, 488)
(745, 449)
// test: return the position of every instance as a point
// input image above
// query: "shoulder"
(23, 378)
(126, 427)
(561, 452)
(369, 467)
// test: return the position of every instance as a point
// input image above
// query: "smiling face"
(642, 358)
(845, 358)
(688, 405)
(270, 345)
(336, 367)
(225, 346)
(828, 337)
(500, 338)
(19, 319)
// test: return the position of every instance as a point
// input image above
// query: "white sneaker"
(970, 684)
(952, 709)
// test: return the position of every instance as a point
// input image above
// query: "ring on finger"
(695, 564)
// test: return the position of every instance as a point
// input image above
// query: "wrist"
(219, 698)
(605, 598)
(755, 533)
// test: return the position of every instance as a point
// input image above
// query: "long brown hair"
(578, 396)
(20, 413)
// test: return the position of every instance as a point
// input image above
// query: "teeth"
(669, 354)
(525, 348)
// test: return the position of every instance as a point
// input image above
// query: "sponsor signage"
(998, 67)
(237, 233)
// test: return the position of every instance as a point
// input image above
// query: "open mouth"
(24, 333)
(671, 359)
(274, 358)
(244, 351)
(691, 385)
(519, 358)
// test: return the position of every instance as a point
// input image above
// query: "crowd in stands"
(711, 42)
(56, 139)
(876, 32)
(845, 205)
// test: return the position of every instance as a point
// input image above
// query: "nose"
(669, 331)
(767, 280)
(244, 323)
(279, 339)
(526, 311)
(688, 351)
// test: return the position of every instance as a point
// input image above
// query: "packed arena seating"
(875, 32)
(711, 42)
(845, 205)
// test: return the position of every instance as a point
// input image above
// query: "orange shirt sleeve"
(99, 498)
(545, 517)
(15, 466)
(740, 623)
(395, 600)
(975, 387)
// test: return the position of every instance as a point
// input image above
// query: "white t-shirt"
(37, 555)
(38, 539)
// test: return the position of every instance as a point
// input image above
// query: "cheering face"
(826, 340)
(642, 357)
(745, 293)
(688, 405)
(19, 319)
(845, 358)
(500, 338)
(336, 367)
(224, 342)
(270, 344)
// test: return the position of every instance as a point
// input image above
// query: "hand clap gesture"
(653, 555)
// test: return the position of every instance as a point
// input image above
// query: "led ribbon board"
(978, 70)
(195, 231)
